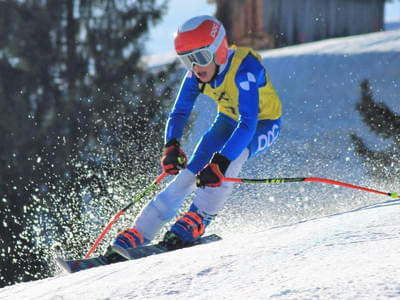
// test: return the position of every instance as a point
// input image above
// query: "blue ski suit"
(247, 123)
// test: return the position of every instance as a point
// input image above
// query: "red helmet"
(203, 32)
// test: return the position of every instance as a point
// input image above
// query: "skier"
(248, 122)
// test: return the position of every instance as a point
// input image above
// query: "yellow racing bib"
(226, 95)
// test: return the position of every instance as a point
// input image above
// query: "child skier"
(247, 123)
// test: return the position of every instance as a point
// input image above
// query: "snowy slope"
(284, 241)
(347, 256)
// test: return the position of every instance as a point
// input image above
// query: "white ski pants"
(165, 205)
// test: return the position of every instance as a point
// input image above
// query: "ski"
(136, 253)
(76, 265)
(120, 254)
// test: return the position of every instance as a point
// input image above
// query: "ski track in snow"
(353, 253)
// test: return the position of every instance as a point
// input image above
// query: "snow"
(284, 241)
(352, 255)
(365, 43)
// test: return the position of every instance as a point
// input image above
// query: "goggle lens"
(201, 57)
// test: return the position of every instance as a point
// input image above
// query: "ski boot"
(129, 238)
(187, 229)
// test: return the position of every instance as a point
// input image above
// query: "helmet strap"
(215, 74)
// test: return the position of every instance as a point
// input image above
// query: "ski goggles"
(202, 57)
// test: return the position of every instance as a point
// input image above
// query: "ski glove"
(213, 173)
(173, 159)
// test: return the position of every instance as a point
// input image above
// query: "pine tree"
(79, 113)
(381, 120)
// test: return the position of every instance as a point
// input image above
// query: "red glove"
(213, 173)
(173, 159)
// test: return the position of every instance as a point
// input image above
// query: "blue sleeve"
(249, 77)
(183, 106)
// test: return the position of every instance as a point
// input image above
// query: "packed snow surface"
(353, 255)
(284, 241)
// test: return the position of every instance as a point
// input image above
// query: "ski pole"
(122, 211)
(311, 179)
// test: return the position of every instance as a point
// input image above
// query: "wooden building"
(264, 24)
